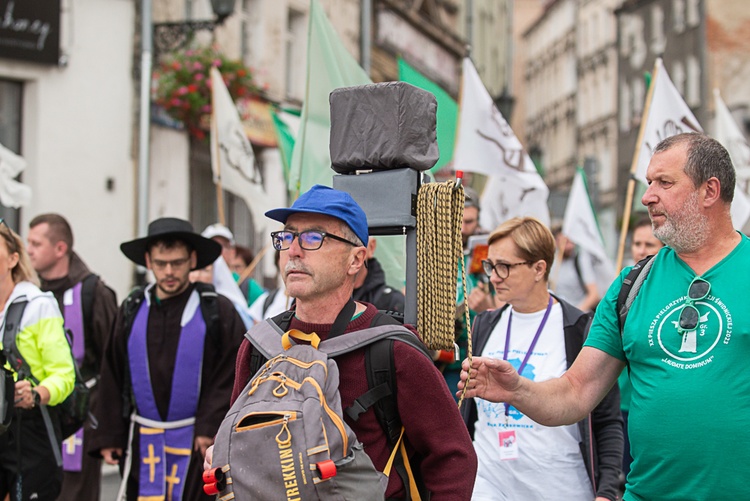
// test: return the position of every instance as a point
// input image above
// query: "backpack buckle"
(327, 469)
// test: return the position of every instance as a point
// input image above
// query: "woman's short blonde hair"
(533, 239)
(23, 271)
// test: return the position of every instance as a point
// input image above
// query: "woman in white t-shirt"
(540, 335)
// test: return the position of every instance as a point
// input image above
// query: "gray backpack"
(285, 436)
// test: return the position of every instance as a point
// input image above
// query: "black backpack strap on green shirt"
(631, 285)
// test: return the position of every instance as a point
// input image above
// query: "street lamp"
(171, 36)
(504, 103)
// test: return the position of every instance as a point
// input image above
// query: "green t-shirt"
(689, 420)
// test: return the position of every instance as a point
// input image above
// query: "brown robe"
(163, 336)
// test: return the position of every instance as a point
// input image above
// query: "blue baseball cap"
(329, 202)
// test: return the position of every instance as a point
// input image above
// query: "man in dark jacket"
(89, 308)
(370, 286)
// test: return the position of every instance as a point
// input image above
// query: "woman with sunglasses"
(27, 453)
(540, 335)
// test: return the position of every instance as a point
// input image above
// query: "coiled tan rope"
(440, 212)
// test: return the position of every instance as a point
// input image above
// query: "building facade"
(67, 107)
(596, 114)
(551, 97)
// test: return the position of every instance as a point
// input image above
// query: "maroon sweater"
(433, 426)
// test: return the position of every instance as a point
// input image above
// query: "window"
(658, 37)
(693, 13)
(295, 55)
(693, 87)
(678, 14)
(678, 76)
(252, 34)
(626, 106)
(11, 96)
(203, 205)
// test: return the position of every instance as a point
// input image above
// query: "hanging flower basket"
(183, 85)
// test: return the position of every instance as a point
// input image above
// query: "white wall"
(77, 124)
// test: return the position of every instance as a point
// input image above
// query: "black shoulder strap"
(631, 284)
(381, 396)
(88, 287)
(12, 326)
(130, 308)
(209, 301)
(269, 300)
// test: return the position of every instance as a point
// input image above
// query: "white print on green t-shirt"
(691, 349)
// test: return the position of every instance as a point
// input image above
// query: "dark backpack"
(381, 395)
(209, 305)
(75, 408)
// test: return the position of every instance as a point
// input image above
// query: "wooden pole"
(251, 267)
(558, 260)
(216, 157)
(634, 168)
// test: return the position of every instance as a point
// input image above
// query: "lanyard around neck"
(531, 347)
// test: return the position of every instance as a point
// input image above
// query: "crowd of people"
(565, 396)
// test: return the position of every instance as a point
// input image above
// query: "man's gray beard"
(687, 229)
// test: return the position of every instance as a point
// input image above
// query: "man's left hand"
(202, 443)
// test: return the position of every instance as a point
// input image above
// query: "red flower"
(183, 88)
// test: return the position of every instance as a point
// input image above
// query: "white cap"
(218, 230)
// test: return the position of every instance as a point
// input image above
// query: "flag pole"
(217, 160)
(633, 168)
(251, 267)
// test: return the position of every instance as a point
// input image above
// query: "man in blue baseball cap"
(324, 238)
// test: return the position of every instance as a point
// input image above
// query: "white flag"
(506, 196)
(581, 227)
(232, 157)
(12, 193)
(224, 283)
(487, 145)
(729, 135)
(668, 115)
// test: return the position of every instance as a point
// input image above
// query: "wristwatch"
(37, 398)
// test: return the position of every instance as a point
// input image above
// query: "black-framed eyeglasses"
(690, 316)
(502, 269)
(308, 239)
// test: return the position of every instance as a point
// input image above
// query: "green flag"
(447, 111)
(285, 136)
(329, 66)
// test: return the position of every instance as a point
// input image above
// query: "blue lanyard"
(531, 347)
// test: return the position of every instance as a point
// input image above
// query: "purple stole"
(72, 446)
(165, 447)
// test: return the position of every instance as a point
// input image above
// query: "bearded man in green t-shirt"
(686, 341)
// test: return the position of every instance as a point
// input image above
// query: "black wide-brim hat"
(172, 228)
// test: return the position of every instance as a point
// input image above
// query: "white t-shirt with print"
(549, 463)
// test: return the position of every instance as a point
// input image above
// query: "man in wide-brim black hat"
(172, 353)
